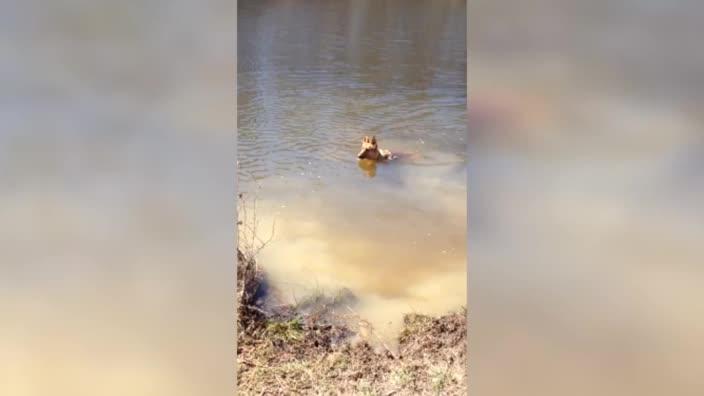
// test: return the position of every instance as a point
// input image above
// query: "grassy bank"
(289, 352)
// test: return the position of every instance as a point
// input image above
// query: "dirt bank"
(291, 353)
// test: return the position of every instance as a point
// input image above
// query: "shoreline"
(292, 352)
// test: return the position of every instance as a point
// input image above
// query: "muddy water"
(315, 77)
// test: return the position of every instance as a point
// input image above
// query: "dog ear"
(373, 139)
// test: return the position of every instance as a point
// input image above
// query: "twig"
(252, 364)
(248, 226)
(252, 307)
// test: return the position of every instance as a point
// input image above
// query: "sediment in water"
(290, 351)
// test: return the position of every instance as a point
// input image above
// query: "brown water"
(315, 77)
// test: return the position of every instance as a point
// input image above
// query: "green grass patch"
(291, 330)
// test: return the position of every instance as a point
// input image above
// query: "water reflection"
(368, 167)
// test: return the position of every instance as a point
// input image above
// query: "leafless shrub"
(249, 276)
(248, 233)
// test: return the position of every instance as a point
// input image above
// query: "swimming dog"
(371, 151)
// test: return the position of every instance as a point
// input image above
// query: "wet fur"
(371, 151)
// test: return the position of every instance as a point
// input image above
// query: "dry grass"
(432, 361)
(303, 350)
(290, 353)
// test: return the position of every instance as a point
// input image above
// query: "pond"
(313, 79)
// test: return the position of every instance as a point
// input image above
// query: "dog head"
(369, 150)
